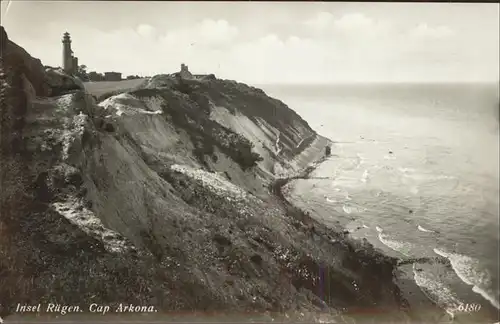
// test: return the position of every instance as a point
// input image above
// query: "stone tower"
(184, 73)
(68, 60)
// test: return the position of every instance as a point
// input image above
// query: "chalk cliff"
(160, 195)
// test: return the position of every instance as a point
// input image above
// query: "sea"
(415, 171)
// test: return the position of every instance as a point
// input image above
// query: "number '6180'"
(469, 308)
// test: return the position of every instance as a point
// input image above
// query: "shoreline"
(422, 307)
(410, 297)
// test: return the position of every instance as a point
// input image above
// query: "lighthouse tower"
(68, 61)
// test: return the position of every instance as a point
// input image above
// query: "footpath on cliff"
(167, 195)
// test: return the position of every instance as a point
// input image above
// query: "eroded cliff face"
(160, 196)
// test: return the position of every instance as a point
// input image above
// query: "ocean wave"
(420, 228)
(364, 178)
(416, 182)
(470, 272)
(487, 294)
(349, 209)
(398, 246)
(406, 170)
(330, 200)
(361, 160)
(343, 191)
(436, 291)
(421, 176)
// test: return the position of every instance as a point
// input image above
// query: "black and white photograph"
(249, 162)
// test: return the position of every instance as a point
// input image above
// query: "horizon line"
(489, 82)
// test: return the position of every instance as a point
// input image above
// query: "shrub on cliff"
(205, 133)
(62, 83)
(244, 156)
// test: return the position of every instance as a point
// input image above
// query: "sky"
(267, 42)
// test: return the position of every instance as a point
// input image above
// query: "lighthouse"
(69, 63)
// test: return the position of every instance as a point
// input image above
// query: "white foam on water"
(487, 295)
(379, 229)
(364, 178)
(365, 226)
(420, 228)
(400, 247)
(330, 200)
(349, 209)
(424, 177)
(406, 170)
(361, 160)
(470, 272)
(436, 291)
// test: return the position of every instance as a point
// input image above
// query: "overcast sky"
(267, 42)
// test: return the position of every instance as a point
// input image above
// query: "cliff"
(160, 195)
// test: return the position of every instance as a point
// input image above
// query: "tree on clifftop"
(81, 72)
